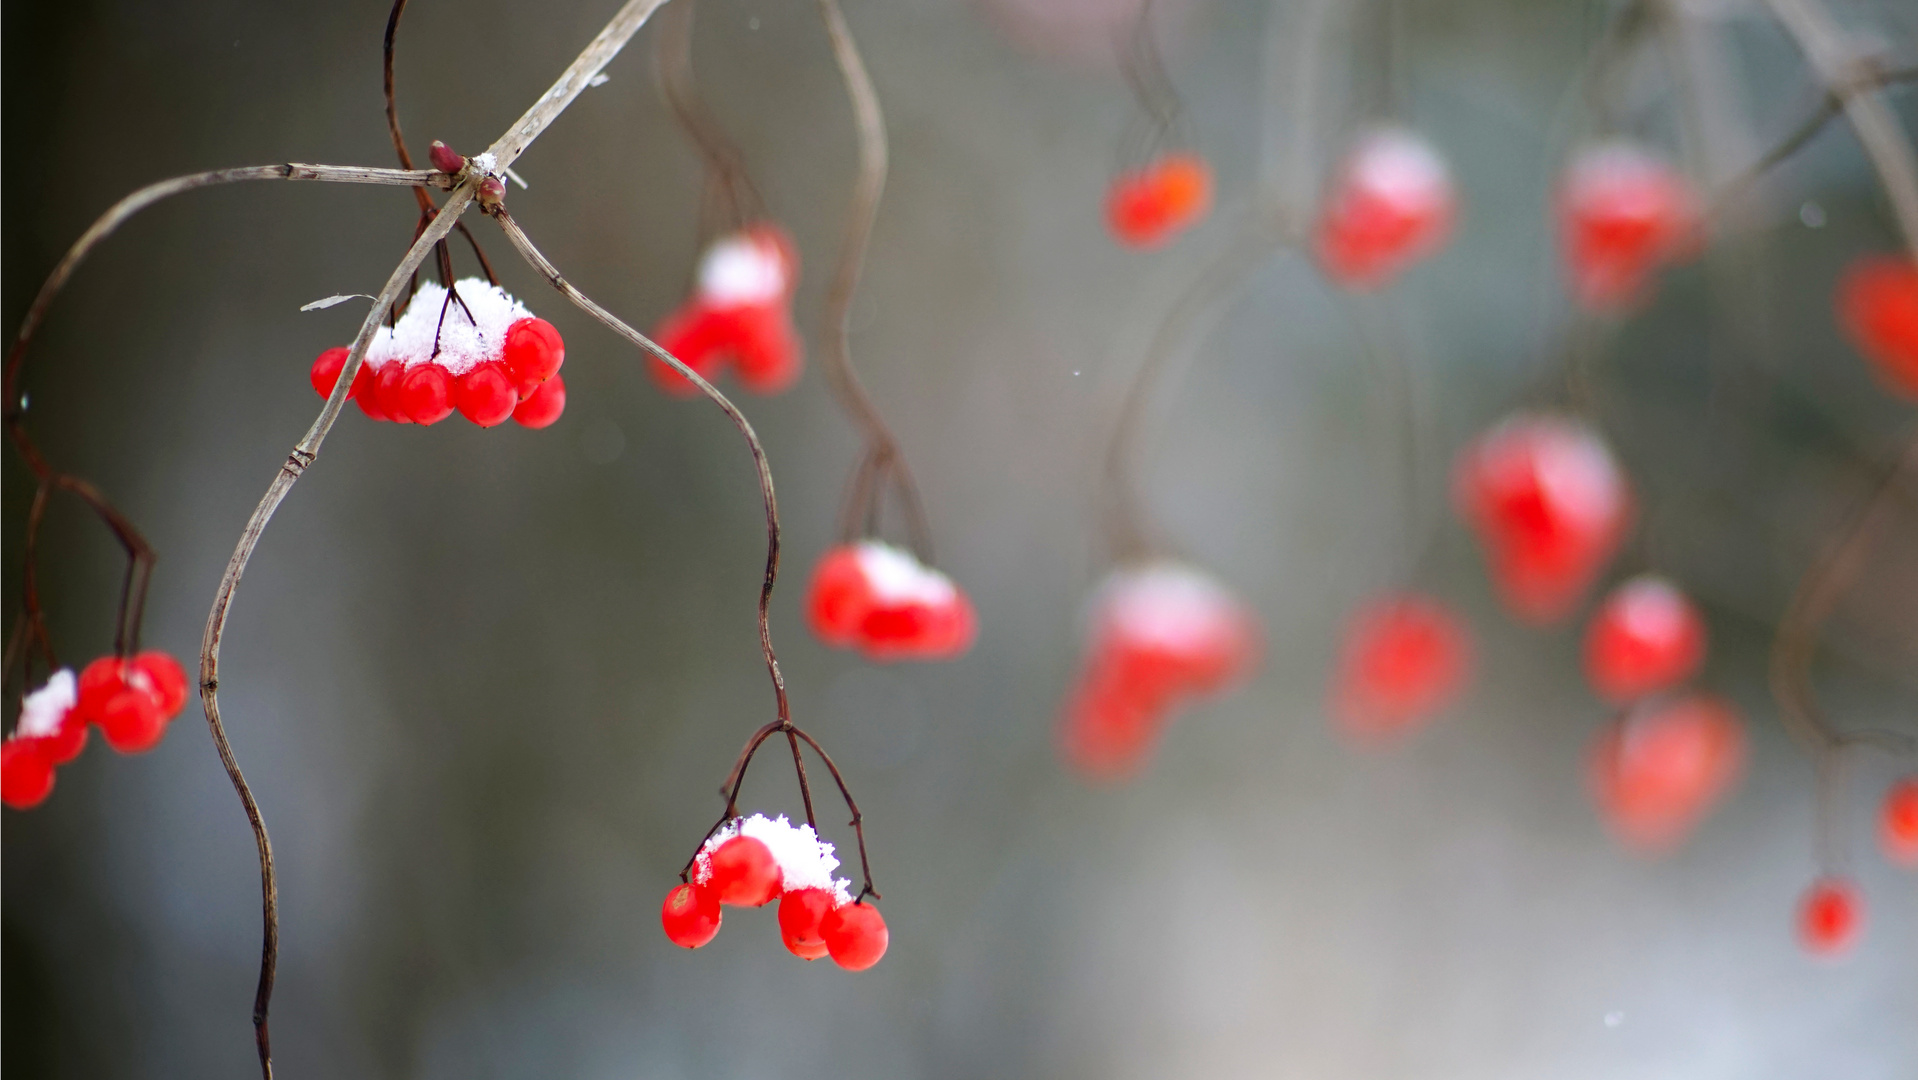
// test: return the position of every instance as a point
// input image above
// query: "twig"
(1830, 105)
(726, 172)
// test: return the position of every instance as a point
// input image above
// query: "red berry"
(544, 406)
(132, 722)
(801, 913)
(1898, 821)
(366, 391)
(1109, 730)
(66, 743)
(838, 597)
(485, 395)
(326, 371)
(1646, 637)
(386, 386)
(697, 336)
(855, 935)
(1624, 212)
(744, 872)
(166, 678)
(766, 347)
(1405, 658)
(533, 353)
(1656, 772)
(1878, 308)
(690, 916)
(1830, 915)
(26, 772)
(1390, 205)
(1147, 207)
(1550, 507)
(426, 394)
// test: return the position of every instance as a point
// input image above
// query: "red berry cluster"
(1831, 914)
(1624, 212)
(884, 602)
(740, 313)
(1878, 308)
(1405, 659)
(753, 862)
(1149, 206)
(1161, 634)
(477, 352)
(131, 700)
(1390, 204)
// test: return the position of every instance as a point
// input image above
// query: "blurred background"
(484, 682)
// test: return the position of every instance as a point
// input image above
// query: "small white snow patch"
(1168, 603)
(42, 711)
(1401, 168)
(486, 163)
(898, 578)
(805, 861)
(739, 270)
(465, 342)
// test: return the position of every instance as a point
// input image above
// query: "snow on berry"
(804, 860)
(1878, 309)
(1898, 822)
(883, 601)
(740, 313)
(1405, 658)
(50, 732)
(1624, 212)
(1148, 207)
(1830, 916)
(1390, 205)
(1646, 637)
(1657, 771)
(1550, 507)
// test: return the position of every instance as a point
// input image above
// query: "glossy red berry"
(767, 348)
(326, 371)
(387, 387)
(166, 679)
(1550, 507)
(855, 935)
(1646, 637)
(425, 394)
(366, 391)
(1830, 916)
(697, 337)
(1148, 207)
(1656, 772)
(131, 721)
(1624, 212)
(1898, 822)
(132, 701)
(26, 773)
(1878, 309)
(1110, 725)
(532, 353)
(743, 872)
(690, 916)
(802, 913)
(485, 395)
(1405, 658)
(1390, 205)
(883, 601)
(547, 402)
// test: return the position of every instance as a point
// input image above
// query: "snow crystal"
(1402, 168)
(740, 270)
(486, 163)
(1166, 602)
(465, 342)
(42, 710)
(898, 578)
(805, 861)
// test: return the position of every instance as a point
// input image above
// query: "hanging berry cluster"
(1389, 205)
(881, 600)
(1405, 658)
(739, 315)
(1624, 212)
(132, 701)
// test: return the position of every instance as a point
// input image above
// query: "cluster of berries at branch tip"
(1161, 634)
(1624, 213)
(476, 350)
(1405, 658)
(1878, 309)
(1389, 205)
(884, 602)
(755, 861)
(132, 701)
(740, 313)
(1147, 207)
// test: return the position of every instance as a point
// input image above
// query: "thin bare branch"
(572, 82)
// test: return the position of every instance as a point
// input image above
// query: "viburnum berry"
(743, 872)
(26, 773)
(1550, 507)
(485, 395)
(1405, 658)
(1646, 637)
(740, 313)
(543, 406)
(50, 731)
(425, 393)
(326, 371)
(1878, 308)
(1623, 213)
(881, 600)
(1658, 770)
(1149, 206)
(386, 385)
(1830, 916)
(1389, 205)
(1898, 821)
(132, 700)
(532, 353)
(690, 916)
(802, 912)
(855, 935)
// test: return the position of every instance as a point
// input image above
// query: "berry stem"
(730, 200)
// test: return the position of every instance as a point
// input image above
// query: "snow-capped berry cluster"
(479, 352)
(1389, 205)
(1149, 206)
(740, 313)
(130, 700)
(753, 862)
(881, 600)
(1624, 212)
(1161, 634)
(1878, 308)
(1405, 658)
(1550, 507)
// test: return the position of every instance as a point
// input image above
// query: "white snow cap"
(741, 270)
(1401, 168)
(1169, 603)
(1651, 607)
(897, 577)
(465, 342)
(805, 861)
(42, 710)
